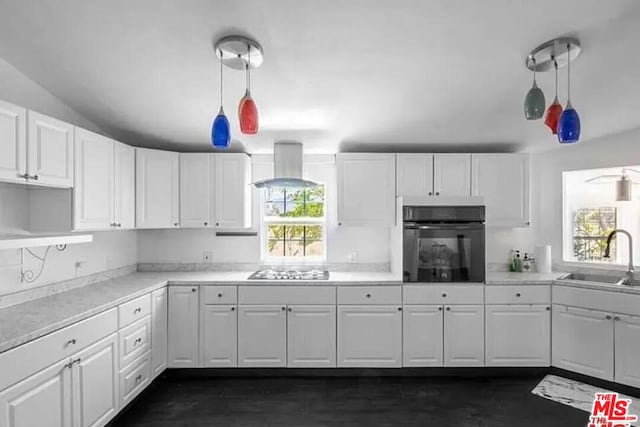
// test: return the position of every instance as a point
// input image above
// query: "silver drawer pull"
(137, 310)
(73, 362)
(368, 295)
(518, 294)
(137, 341)
(139, 378)
(444, 295)
(72, 341)
(219, 295)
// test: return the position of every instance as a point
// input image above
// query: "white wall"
(621, 149)
(109, 250)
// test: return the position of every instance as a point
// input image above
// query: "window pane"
(294, 248)
(314, 248)
(591, 226)
(275, 248)
(313, 232)
(315, 210)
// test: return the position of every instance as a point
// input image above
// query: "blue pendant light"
(220, 130)
(569, 124)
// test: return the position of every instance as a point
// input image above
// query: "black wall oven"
(443, 244)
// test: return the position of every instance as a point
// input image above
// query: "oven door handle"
(444, 227)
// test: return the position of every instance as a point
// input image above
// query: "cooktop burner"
(290, 274)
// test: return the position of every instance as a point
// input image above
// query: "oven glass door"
(444, 253)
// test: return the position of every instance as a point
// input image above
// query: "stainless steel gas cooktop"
(290, 274)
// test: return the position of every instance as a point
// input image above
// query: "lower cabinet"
(464, 335)
(582, 341)
(158, 331)
(183, 327)
(518, 335)
(369, 336)
(262, 335)
(627, 350)
(219, 328)
(134, 378)
(311, 336)
(423, 335)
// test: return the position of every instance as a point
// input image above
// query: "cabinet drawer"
(302, 295)
(443, 294)
(133, 310)
(370, 295)
(220, 295)
(518, 294)
(27, 359)
(134, 340)
(134, 378)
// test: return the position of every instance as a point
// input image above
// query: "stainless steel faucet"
(630, 272)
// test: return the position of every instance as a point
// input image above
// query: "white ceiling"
(397, 75)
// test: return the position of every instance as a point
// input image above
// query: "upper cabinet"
(13, 143)
(503, 181)
(157, 201)
(366, 189)
(215, 190)
(49, 151)
(124, 175)
(420, 175)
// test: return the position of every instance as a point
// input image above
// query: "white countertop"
(507, 278)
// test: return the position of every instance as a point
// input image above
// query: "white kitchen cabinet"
(369, 336)
(414, 175)
(124, 203)
(93, 194)
(518, 335)
(232, 190)
(464, 335)
(311, 336)
(423, 335)
(13, 143)
(627, 350)
(49, 151)
(262, 335)
(503, 181)
(452, 175)
(95, 383)
(219, 342)
(583, 341)
(42, 399)
(159, 325)
(183, 327)
(196, 195)
(157, 189)
(366, 189)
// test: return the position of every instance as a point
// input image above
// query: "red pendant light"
(555, 109)
(247, 109)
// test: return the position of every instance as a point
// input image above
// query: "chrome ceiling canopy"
(287, 167)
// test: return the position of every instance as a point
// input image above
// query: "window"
(591, 213)
(294, 223)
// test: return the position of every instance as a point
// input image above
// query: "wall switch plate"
(207, 257)
(352, 257)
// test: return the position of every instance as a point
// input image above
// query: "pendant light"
(247, 109)
(555, 109)
(534, 102)
(569, 124)
(220, 130)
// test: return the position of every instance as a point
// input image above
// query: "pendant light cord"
(249, 68)
(555, 65)
(221, 78)
(534, 69)
(568, 73)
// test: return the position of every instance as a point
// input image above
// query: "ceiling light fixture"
(555, 54)
(220, 130)
(624, 183)
(247, 109)
(534, 102)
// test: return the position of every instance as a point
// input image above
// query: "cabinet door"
(183, 327)
(366, 189)
(95, 383)
(232, 190)
(311, 336)
(582, 341)
(93, 191)
(124, 208)
(414, 175)
(518, 335)
(158, 331)
(219, 336)
(43, 399)
(262, 335)
(503, 181)
(627, 350)
(195, 190)
(49, 151)
(452, 174)
(369, 336)
(157, 201)
(423, 329)
(464, 335)
(13, 143)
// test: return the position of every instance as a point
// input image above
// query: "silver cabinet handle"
(617, 318)
(139, 378)
(290, 309)
(34, 177)
(118, 225)
(72, 341)
(444, 295)
(23, 176)
(448, 308)
(137, 310)
(137, 341)
(193, 289)
(548, 308)
(206, 224)
(368, 295)
(608, 317)
(437, 193)
(233, 309)
(175, 224)
(217, 224)
(399, 308)
(439, 308)
(284, 308)
(73, 362)
(518, 294)
(430, 193)
(219, 295)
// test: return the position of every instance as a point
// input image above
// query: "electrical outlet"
(352, 257)
(207, 257)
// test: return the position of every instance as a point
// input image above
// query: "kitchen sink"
(597, 278)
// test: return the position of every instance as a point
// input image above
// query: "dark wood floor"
(347, 401)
